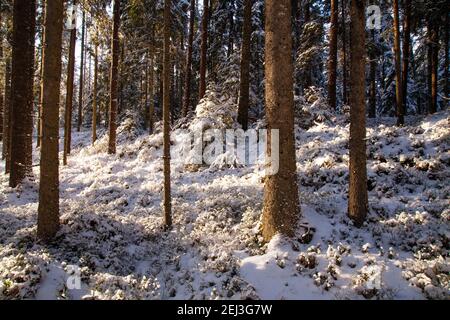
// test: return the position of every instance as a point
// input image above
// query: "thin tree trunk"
(69, 94)
(166, 114)
(145, 98)
(435, 68)
(332, 61)
(281, 211)
(121, 78)
(398, 67)
(433, 63)
(344, 55)
(41, 74)
(373, 84)
(81, 83)
(358, 198)
(203, 50)
(7, 117)
(48, 210)
(114, 79)
(24, 26)
(151, 83)
(244, 92)
(231, 30)
(94, 95)
(406, 53)
(188, 74)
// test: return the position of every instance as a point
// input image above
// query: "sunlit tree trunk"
(69, 88)
(166, 115)
(281, 211)
(114, 79)
(94, 95)
(344, 53)
(81, 83)
(48, 210)
(406, 53)
(358, 198)
(398, 67)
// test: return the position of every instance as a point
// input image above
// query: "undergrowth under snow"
(111, 219)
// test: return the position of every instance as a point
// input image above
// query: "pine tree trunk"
(332, 61)
(188, 73)
(244, 92)
(281, 211)
(308, 74)
(203, 50)
(435, 69)
(433, 64)
(41, 71)
(7, 117)
(114, 79)
(147, 89)
(69, 94)
(231, 30)
(81, 83)
(398, 67)
(344, 54)
(24, 25)
(48, 210)
(406, 53)
(373, 84)
(94, 95)
(121, 76)
(166, 114)
(358, 198)
(151, 116)
(429, 64)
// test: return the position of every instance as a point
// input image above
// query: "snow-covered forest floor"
(111, 223)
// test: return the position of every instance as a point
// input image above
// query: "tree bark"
(231, 29)
(24, 26)
(244, 92)
(41, 75)
(81, 83)
(188, 73)
(69, 94)
(344, 54)
(281, 211)
(151, 115)
(332, 61)
(48, 210)
(358, 198)
(398, 67)
(433, 61)
(373, 83)
(166, 114)
(94, 95)
(204, 50)
(114, 79)
(406, 53)
(7, 117)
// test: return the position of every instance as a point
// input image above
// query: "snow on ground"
(111, 219)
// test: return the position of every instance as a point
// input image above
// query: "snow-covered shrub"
(312, 108)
